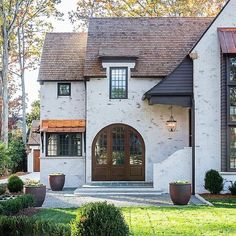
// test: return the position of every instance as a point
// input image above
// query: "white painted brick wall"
(148, 120)
(207, 97)
(54, 107)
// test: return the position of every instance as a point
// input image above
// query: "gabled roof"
(34, 136)
(63, 57)
(161, 43)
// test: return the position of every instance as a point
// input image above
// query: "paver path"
(66, 199)
(33, 176)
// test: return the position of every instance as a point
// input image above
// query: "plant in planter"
(36, 189)
(57, 181)
(180, 192)
(232, 188)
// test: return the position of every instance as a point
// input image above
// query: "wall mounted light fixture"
(171, 123)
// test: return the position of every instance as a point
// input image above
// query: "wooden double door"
(118, 154)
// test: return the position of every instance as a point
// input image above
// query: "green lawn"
(166, 220)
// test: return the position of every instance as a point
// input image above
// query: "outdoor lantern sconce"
(171, 123)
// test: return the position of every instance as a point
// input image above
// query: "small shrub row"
(99, 219)
(15, 184)
(25, 226)
(13, 206)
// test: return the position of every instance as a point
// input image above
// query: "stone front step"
(118, 184)
(117, 188)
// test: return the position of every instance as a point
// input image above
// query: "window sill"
(228, 173)
(67, 158)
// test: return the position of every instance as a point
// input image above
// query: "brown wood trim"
(36, 160)
(109, 167)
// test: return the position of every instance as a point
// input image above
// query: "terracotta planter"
(38, 192)
(180, 193)
(57, 182)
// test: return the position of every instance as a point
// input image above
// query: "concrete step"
(117, 188)
(80, 192)
(120, 184)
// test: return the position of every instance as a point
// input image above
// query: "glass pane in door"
(101, 154)
(118, 146)
(135, 149)
(233, 104)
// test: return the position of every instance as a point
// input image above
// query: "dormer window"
(64, 89)
(118, 82)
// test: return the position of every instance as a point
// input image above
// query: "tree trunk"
(21, 52)
(5, 61)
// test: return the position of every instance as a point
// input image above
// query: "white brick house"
(106, 97)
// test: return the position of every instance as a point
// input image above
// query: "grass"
(219, 220)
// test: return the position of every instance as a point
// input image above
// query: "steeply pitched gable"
(63, 57)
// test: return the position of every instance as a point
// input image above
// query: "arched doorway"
(118, 154)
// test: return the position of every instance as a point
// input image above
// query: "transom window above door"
(64, 89)
(118, 82)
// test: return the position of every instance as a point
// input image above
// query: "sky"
(32, 86)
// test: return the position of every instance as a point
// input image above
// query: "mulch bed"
(218, 196)
(28, 211)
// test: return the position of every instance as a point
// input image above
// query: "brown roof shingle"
(63, 57)
(160, 43)
(34, 136)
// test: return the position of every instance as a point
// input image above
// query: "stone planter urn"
(57, 181)
(38, 191)
(180, 192)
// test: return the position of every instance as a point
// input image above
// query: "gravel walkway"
(66, 199)
(33, 176)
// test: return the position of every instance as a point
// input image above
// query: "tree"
(150, 8)
(34, 114)
(17, 18)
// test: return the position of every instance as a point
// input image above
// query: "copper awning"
(227, 37)
(63, 126)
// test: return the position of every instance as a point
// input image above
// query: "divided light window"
(64, 144)
(118, 82)
(64, 89)
(231, 120)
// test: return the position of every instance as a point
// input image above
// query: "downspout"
(193, 56)
(193, 145)
(85, 143)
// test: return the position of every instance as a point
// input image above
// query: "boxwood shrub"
(13, 206)
(25, 226)
(99, 219)
(15, 184)
(213, 182)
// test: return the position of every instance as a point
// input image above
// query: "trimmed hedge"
(25, 226)
(99, 218)
(13, 206)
